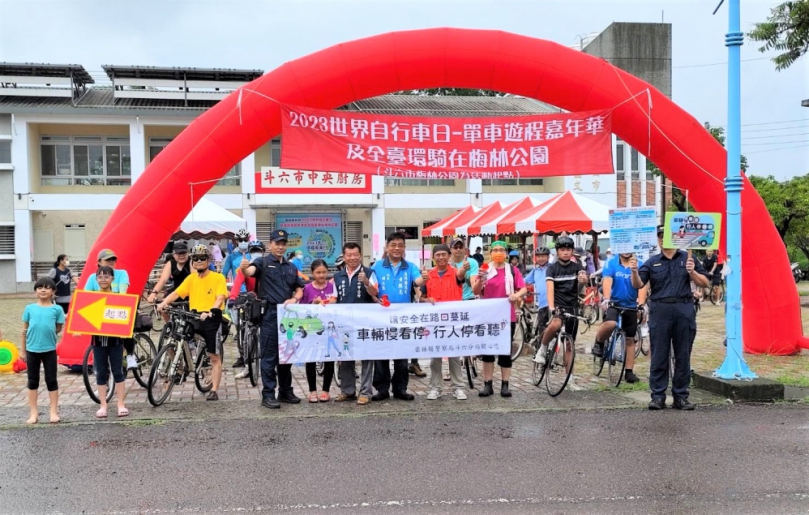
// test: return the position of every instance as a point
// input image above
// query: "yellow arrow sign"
(98, 313)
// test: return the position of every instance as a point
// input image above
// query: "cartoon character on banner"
(291, 344)
(332, 335)
(347, 346)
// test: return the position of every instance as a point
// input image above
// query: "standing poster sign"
(318, 235)
(493, 147)
(334, 332)
(692, 230)
(633, 230)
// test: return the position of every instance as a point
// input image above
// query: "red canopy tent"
(567, 211)
(446, 227)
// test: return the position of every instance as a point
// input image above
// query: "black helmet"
(565, 242)
(578, 252)
(542, 251)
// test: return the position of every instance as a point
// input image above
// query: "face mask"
(67, 263)
(498, 258)
(256, 255)
(243, 246)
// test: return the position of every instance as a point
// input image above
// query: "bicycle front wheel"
(164, 374)
(537, 370)
(88, 371)
(203, 376)
(560, 365)
(471, 370)
(617, 358)
(518, 342)
(145, 354)
(251, 360)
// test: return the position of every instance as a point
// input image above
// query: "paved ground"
(708, 354)
(735, 460)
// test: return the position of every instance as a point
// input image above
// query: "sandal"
(212, 396)
(101, 413)
(123, 412)
(325, 397)
(312, 397)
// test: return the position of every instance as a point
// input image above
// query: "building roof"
(420, 105)
(191, 74)
(74, 71)
(100, 100)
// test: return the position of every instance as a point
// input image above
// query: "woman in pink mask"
(496, 281)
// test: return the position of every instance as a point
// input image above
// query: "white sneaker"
(540, 356)
(131, 362)
(242, 374)
(460, 394)
(433, 395)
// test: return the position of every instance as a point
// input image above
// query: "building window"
(619, 161)
(7, 240)
(5, 152)
(389, 181)
(232, 178)
(275, 152)
(513, 182)
(633, 163)
(85, 161)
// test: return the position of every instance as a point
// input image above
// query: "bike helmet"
(542, 251)
(565, 242)
(200, 250)
(340, 261)
(578, 252)
(514, 253)
(256, 245)
(243, 234)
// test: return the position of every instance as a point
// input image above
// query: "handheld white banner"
(343, 332)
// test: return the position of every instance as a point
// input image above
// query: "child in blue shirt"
(41, 323)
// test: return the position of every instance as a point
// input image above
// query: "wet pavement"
(505, 459)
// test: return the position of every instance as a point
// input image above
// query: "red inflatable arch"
(156, 204)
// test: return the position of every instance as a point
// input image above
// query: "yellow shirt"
(202, 291)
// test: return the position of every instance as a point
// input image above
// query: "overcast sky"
(265, 34)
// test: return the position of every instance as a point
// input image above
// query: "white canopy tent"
(207, 219)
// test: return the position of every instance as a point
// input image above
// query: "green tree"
(788, 205)
(678, 199)
(786, 30)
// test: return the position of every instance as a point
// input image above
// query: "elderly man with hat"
(672, 319)
(278, 283)
(445, 283)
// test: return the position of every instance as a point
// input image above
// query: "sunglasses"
(113, 259)
(197, 259)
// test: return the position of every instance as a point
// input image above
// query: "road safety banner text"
(447, 148)
(343, 332)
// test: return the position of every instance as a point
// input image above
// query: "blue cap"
(279, 235)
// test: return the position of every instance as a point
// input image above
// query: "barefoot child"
(108, 354)
(318, 292)
(41, 322)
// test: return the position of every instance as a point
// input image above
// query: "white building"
(70, 149)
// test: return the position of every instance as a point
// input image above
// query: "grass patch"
(801, 381)
(640, 386)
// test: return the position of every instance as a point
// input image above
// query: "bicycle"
(250, 311)
(641, 340)
(590, 304)
(559, 359)
(171, 366)
(144, 352)
(527, 331)
(470, 363)
(614, 351)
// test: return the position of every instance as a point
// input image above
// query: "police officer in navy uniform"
(672, 319)
(278, 283)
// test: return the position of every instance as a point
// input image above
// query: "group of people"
(456, 276)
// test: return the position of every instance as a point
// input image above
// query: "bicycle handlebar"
(182, 313)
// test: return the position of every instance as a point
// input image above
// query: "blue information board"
(318, 235)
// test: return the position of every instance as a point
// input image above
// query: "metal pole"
(734, 366)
